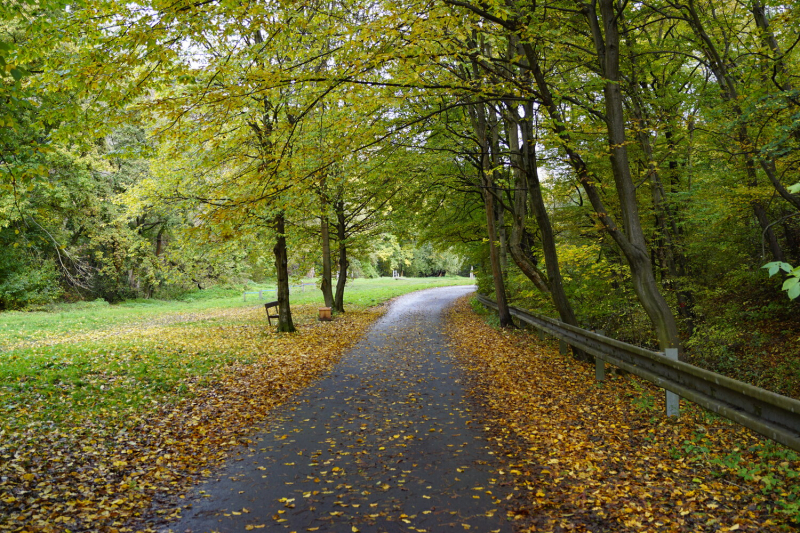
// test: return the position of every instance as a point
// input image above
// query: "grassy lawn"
(69, 319)
(103, 407)
(95, 357)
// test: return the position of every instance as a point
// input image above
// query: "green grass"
(64, 319)
(92, 359)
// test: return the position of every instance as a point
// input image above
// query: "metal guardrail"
(775, 416)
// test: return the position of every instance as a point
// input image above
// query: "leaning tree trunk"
(341, 233)
(635, 245)
(326, 286)
(486, 185)
(668, 251)
(282, 267)
(530, 166)
(519, 208)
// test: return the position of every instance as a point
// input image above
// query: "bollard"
(244, 296)
(673, 400)
(260, 294)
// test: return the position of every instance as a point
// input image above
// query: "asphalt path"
(387, 442)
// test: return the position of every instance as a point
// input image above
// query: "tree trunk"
(684, 295)
(519, 209)
(341, 233)
(285, 323)
(534, 189)
(502, 241)
(160, 241)
(631, 242)
(635, 249)
(758, 207)
(487, 185)
(326, 286)
(666, 249)
(150, 288)
(767, 233)
(500, 219)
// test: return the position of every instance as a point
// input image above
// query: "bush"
(26, 280)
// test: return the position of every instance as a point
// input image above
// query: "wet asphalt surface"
(387, 442)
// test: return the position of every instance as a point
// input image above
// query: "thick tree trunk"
(631, 242)
(326, 286)
(519, 211)
(341, 233)
(515, 245)
(285, 323)
(494, 257)
(536, 199)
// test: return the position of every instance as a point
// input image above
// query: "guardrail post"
(673, 400)
(563, 349)
(599, 364)
(244, 296)
(599, 369)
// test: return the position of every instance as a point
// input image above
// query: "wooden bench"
(267, 307)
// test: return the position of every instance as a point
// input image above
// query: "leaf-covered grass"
(18, 327)
(96, 421)
(588, 456)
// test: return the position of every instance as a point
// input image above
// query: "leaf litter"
(131, 437)
(579, 456)
(596, 457)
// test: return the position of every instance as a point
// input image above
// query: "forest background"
(626, 166)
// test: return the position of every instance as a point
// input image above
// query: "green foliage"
(25, 279)
(770, 465)
(643, 400)
(792, 283)
(426, 261)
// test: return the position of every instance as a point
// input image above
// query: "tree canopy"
(606, 161)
